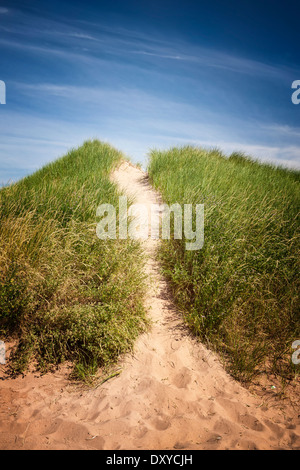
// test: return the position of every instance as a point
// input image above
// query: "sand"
(172, 392)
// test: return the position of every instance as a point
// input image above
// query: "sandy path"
(172, 393)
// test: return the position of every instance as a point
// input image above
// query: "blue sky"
(148, 74)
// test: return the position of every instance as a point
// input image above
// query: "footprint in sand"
(182, 378)
(161, 424)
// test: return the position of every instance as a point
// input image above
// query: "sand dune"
(172, 393)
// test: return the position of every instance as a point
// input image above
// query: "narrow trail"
(173, 393)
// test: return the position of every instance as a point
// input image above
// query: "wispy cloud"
(136, 91)
(135, 121)
(283, 130)
(160, 55)
(83, 36)
(120, 42)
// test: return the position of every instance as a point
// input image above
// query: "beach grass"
(66, 295)
(240, 292)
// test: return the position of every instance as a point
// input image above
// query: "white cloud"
(161, 55)
(83, 36)
(283, 130)
(129, 118)
(28, 141)
(118, 42)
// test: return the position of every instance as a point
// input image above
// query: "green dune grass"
(240, 292)
(65, 295)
